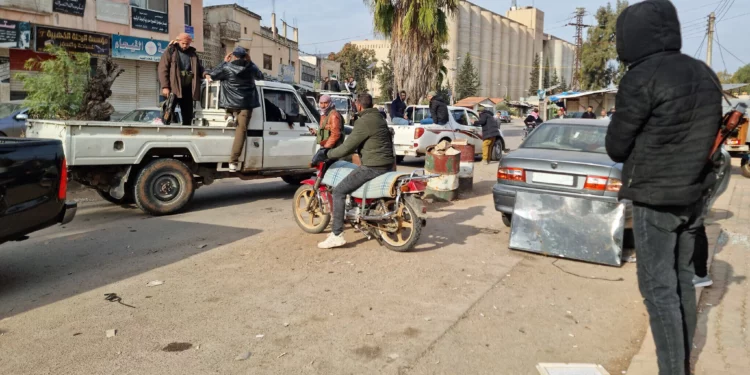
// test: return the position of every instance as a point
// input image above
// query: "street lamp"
(453, 92)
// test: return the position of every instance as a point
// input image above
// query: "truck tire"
(497, 149)
(164, 187)
(127, 199)
(400, 159)
(507, 219)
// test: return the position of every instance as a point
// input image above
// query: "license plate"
(551, 178)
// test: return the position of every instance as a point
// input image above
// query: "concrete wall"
(515, 53)
(505, 58)
(523, 62)
(476, 37)
(497, 39)
(485, 53)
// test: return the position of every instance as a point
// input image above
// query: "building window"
(281, 60)
(267, 63)
(246, 31)
(188, 15)
(157, 5)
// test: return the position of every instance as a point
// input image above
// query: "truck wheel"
(745, 168)
(126, 199)
(507, 219)
(400, 159)
(164, 187)
(294, 180)
(497, 150)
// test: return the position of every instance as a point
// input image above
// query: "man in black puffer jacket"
(490, 131)
(668, 114)
(238, 95)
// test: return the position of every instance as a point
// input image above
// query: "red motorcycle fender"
(309, 181)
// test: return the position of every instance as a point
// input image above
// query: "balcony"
(229, 30)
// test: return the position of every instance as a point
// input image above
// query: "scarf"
(535, 115)
(328, 110)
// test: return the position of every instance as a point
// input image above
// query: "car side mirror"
(22, 117)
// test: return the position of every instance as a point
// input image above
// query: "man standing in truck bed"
(180, 71)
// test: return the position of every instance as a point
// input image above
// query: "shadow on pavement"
(210, 197)
(434, 236)
(38, 272)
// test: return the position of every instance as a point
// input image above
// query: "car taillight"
(733, 141)
(511, 174)
(62, 191)
(418, 132)
(602, 184)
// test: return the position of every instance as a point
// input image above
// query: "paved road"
(240, 277)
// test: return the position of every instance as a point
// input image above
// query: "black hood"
(646, 28)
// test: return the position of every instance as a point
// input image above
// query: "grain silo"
(485, 61)
(497, 33)
(531, 52)
(515, 60)
(452, 44)
(558, 56)
(505, 57)
(476, 35)
(523, 62)
(464, 31)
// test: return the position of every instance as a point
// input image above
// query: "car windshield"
(7, 109)
(342, 105)
(568, 137)
(142, 115)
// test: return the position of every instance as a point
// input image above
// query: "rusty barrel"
(445, 187)
(466, 168)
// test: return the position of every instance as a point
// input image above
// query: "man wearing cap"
(438, 109)
(179, 73)
(238, 95)
(330, 134)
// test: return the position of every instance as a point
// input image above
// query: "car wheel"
(507, 219)
(745, 168)
(164, 187)
(400, 159)
(497, 150)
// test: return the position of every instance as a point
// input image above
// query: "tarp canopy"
(732, 86)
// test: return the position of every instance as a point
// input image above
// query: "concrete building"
(382, 50)
(270, 48)
(323, 68)
(308, 74)
(135, 33)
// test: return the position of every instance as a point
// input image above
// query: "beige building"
(270, 48)
(324, 68)
(382, 50)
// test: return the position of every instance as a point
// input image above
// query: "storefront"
(14, 35)
(138, 85)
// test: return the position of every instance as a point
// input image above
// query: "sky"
(325, 26)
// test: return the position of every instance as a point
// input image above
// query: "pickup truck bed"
(33, 183)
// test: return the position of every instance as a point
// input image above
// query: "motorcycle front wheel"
(312, 220)
(407, 229)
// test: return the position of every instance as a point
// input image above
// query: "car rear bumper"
(68, 212)
(407, 150)
(504, 197)
(738, 148)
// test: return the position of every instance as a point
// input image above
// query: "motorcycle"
(529, 127)
(392, 213)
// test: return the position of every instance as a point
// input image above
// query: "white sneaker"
(332, 241)
(233, 167)
(699, 282)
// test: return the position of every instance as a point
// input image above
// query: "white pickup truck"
(413, 139)
(158, 167)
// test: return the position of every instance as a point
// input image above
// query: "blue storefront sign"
(129, 47)
(189, 30)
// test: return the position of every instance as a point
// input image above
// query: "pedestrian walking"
(398, 110)
(589, 113)
(490, 131)
(180, 71)
(238, 96)
(664, 175)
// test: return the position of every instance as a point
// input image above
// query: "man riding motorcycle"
(532, 121)
(372, 137)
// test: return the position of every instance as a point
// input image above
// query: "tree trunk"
(94, 106)
(414, 68)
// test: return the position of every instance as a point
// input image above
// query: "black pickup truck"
(33, 187)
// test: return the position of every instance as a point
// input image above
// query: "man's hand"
(313, 131)
(228, 57)
(207, 77)
(165, 92)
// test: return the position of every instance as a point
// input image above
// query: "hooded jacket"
(668, 110)
(490, 128)
(439, 111)
(238, 89)
(372, 137)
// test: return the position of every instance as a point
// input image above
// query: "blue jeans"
(348, 185)
(399, 121)
(664, 243)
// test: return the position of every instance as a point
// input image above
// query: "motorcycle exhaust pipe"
(387, 216)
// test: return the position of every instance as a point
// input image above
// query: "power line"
(716, 33)
(726, 11)
(337, 40)
(700, 47)
(730, 52)
(737, 16)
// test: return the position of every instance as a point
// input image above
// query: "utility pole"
(542, 101)
(710, 48)
(580, 13)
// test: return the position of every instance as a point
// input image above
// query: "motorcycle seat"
(383, 186)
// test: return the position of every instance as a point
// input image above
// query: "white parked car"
(413, 139)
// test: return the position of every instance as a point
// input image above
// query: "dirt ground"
(246, 291)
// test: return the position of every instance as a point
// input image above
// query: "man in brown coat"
(179, 73)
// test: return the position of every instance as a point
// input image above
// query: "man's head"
(646, 28)
(560, 112)
(590, 109)
(402, 95)
(184, 40)
(536, 110)
(351, 78)
(333, 76)
(603, 113)
(612, 110)
(431, 95)
(364, 101)
(326, 79)
(239, 53)
(324, 101)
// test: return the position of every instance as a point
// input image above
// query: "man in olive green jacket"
(372, 138)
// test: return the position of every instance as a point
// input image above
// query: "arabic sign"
(74, 7)
(72, 40)
(14, 34)
(286, 73)
(189, 30)
(128, 47)
(110, 11)
(150, 20)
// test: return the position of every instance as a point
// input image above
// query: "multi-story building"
(134, 33)
(323, 68)
(502, 48)
(308, 74)
(273, 52)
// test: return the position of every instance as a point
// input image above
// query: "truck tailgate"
(403, 134)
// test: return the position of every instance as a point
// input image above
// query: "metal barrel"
(466, 168)
(445, 187)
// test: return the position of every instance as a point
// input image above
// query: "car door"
(470, 132)
(287, 142)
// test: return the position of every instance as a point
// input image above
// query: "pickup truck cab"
(413, 139)
(33, 187)
(158, 167)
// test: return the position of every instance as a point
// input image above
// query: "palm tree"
(418, 29)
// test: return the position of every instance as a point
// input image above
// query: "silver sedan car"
(561, 157)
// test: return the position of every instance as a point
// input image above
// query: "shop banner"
(14, 34)
(74, 7)
(132, 48)
(72, 40)
(189, 30)
(150, 20)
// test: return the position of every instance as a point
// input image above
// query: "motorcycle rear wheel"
(409, 229)
(310, 222)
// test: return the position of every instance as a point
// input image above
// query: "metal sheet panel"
(125, 87)
(576, 228)
(148, 84)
